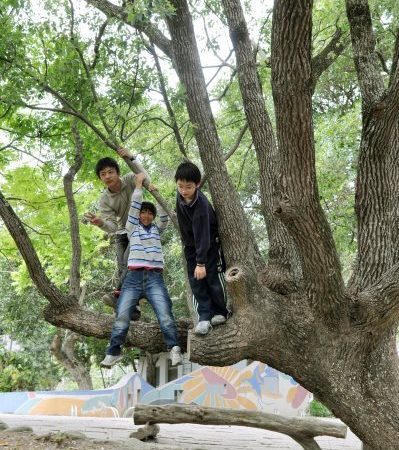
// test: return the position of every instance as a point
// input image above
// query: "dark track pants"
(209, 294)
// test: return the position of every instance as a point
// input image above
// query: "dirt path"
(94, 433)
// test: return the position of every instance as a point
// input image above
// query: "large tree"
(293, 309)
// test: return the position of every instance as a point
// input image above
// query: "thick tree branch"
(297, 202)
(365, 57)
(143, 335)
(376, 201)
(74, 273)
(153, 34)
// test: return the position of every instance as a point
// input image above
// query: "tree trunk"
(62, 348)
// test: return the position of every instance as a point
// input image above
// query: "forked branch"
(377, 308)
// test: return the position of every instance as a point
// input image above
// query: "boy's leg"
(122, 254)
(201, 299)
(216, 282)
(127, 302)
(159, 299)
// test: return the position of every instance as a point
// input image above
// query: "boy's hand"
(125, 153)
(152, 187)
(140, 177)
(140, 180)
(93, 219)
(199, 272)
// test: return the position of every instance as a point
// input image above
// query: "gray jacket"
(114, 206)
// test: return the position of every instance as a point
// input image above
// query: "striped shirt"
(145, 242)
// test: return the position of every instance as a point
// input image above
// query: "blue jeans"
(138, 284)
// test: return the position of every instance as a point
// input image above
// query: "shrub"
(317, 409)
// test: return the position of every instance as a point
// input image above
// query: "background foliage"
(65, 59)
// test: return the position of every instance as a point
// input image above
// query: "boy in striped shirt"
(144, 278)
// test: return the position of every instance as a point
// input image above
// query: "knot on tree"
(283, 207)
(234, 274)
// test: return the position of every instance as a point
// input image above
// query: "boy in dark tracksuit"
(205, 264)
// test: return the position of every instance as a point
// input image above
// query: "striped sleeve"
(134, 211)
(163, 220)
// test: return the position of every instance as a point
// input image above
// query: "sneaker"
(218, 319)
(203, 327)
(175, 355)
(110, 360)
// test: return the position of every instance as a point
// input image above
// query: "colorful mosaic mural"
(112, 402)
(255, 387)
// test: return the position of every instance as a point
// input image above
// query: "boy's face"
(186, 189)
(146, 217)
(110, 177)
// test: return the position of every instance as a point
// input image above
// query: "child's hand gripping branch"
(139, 179)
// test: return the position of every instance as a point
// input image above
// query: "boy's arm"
(163, 220)
(202, 238)
(135, 206)
(107, 220)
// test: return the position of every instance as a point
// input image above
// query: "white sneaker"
(110, 360)
(203, 327)
(218, 319)
(176, 356)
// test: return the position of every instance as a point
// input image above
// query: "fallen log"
(302, 429)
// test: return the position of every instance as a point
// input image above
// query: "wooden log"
(301, 429)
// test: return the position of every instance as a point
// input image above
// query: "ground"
(18, 439)
(66, 433)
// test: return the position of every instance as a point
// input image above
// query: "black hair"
(106, 162)
(148, 206)
(188, 171)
